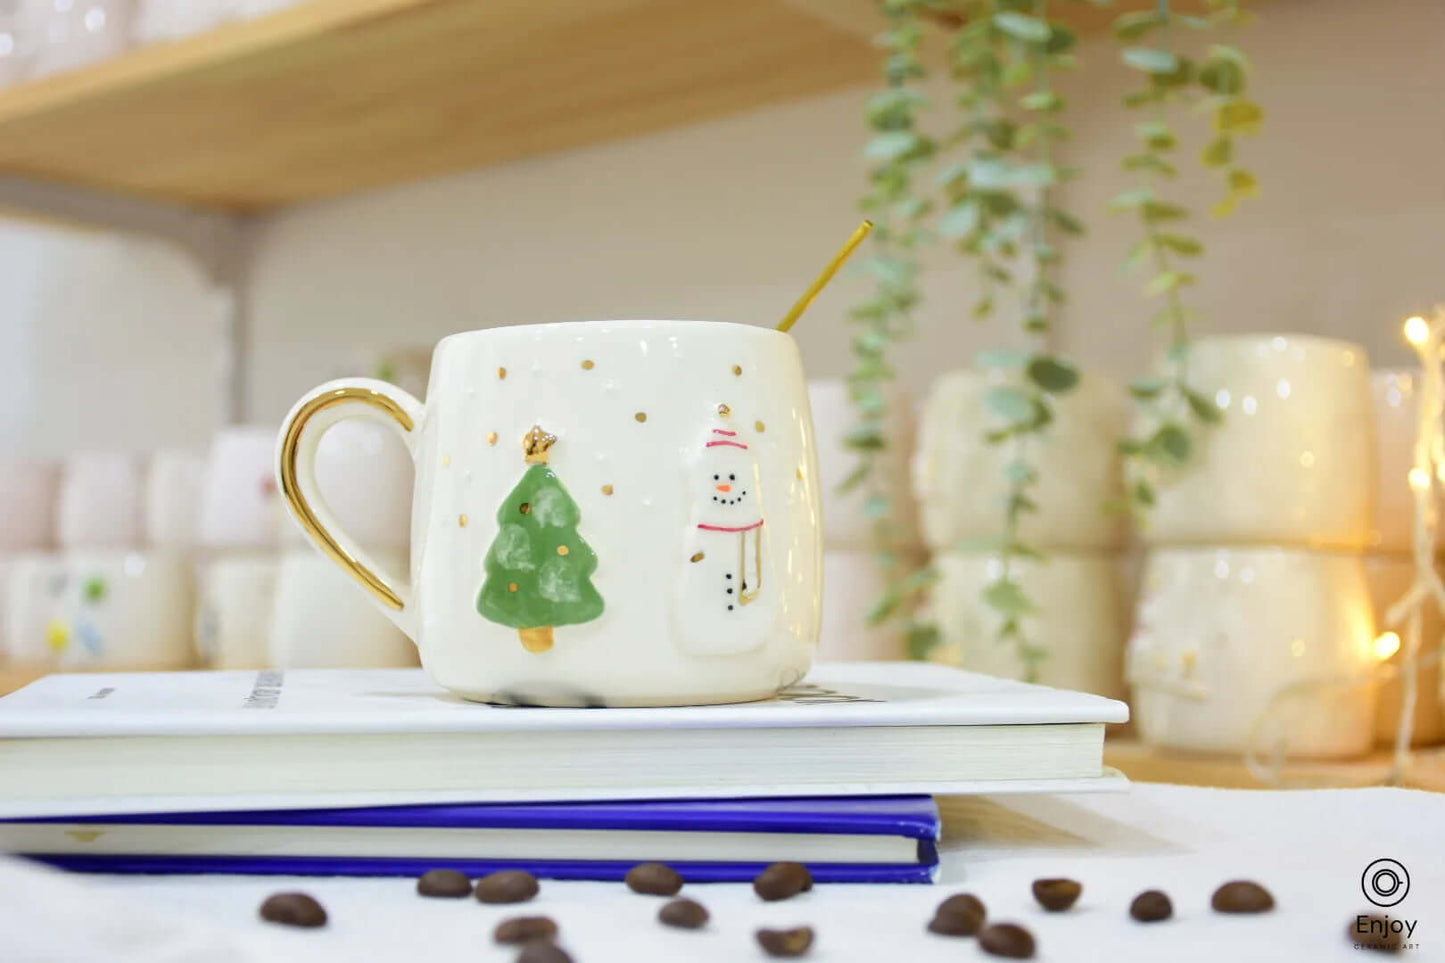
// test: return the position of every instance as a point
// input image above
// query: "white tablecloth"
(1308, 848)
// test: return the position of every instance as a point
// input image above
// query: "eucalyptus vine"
(1216, 85)
(898, 149)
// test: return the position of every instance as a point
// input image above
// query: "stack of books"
(381, 772)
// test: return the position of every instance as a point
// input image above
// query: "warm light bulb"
(1419, 479)
(1417, 330)
(1386, 645)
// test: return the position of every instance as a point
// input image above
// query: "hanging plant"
(1214, 85)
(898, 149)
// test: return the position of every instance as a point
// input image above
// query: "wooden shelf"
(333, 96)
(1142, 763)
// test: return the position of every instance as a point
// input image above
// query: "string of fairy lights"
(1404, 620)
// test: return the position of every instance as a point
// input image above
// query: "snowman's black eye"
(732, 478)
(716, 477)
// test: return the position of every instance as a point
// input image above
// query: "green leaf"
(1147, 388)
(891, 145)
(982, 308)
(855, 477)
(876, 506)
(951, 174)
(1170, 444)
(1149, 162)
(1221, 76)
(1150, 61)
(1139, 255)
(960, 221)
(1020, 472)
(1014, 404)
(1139, 98)
(1167, 281)
(1156, 212)
(1133, 25)
(1036, 323)
(1156, 134)
(1243, 183)
(1005, 596)
(1179, 244)
(1006, 358)
(922, 639)
(1129, 200)
(1042, 100)
(1065, 221)
(1220, 51)
(1204, 408)
(1021, 26)
(1053, 375)
(1238, 117)
(865, 438)
(1218, 153)
(1061, 40)
(1143, 493)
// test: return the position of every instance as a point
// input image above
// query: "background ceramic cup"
(959, 480)
(173, 499)
(1225, 635)
(846, 524)
(235, 601)
(101, 501)
(28, 493)
(853, 582)
(1389, 578)
(1396, 407)
(662, 546)
(72, 34)
(1293, 460)
(322, 620)
(239, 503)
(364, 473)
(100, 610)
(1080, 618)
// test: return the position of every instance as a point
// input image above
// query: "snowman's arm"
(754, 584)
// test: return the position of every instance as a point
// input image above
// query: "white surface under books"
(306, 701)
(1309, 848)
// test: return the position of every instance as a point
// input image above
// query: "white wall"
(730, 219)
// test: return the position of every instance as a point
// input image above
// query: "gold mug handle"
(300, 436)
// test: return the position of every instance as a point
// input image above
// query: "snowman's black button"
(730, 591)
(730, 608)
(730, 575)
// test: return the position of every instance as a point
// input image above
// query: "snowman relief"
(727, 602)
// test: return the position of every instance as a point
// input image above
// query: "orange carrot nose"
(724, 488)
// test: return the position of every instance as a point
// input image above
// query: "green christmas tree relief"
(539, 568)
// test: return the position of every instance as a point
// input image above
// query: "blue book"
(877, 839)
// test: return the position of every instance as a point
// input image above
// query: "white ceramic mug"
(100, 610)
(606, 513)
(240, 508)
(322, 620)
(101, 501)
(1238, 648)
(1079, 618)
(1397, 403)
(173, 499)
(959, 477)
(28, 492)
(1293, 460)
(1390, 577)
(846, 522)
(853, 583)
(237, 595)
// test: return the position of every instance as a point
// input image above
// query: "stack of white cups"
(959, 478)
(118, 595)
(1254, 627)
(1389, 563)
(853, 579)
(323, 619)
(27, 526)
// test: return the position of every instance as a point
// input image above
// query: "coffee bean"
(793, 942)
(655, 879)
(509, 886)
(1242, 896)
(684, 914)
(959, 915)
(543, 951)
(783, 881)
(525, 929)
(1374, 933)
(1057, 895)
(293, 909)
(444, 882)
(1007, 939)
(1151, 906)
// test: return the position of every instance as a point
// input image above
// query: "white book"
(190, 741)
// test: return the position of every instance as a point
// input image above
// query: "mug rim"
(693, 324)
(1301, 338)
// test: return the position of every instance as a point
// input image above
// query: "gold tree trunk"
(536, 640)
